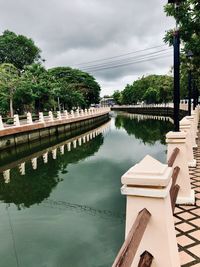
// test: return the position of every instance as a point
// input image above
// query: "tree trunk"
(11, 107)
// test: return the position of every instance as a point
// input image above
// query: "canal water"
(61, 206)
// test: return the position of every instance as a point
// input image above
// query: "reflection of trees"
(37, 185)
(147, 130)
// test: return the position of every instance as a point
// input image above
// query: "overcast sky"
(79, 31)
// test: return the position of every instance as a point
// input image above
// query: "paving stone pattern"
(187, 221)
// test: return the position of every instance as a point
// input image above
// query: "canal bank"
(30, 131)
(75, 196)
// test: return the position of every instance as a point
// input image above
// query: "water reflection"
(147, 128)
(24, 184)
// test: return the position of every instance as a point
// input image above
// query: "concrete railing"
(61, 148)
(183, 106)
(51, 118)
(156, 187)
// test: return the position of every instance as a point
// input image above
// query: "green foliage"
(188, 16)
(9, 80)
(151, 89)
(117, 95)
(17, 50)
(71, 82)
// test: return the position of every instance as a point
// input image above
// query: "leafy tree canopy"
(17, 50)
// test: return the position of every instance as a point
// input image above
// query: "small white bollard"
(22, 168)
(185, 126)
(88, 138)
(16, 120)
(66, 114)
(68, 146)
(62, 150)
(84, 139)
(193, 130)
(1, 123)
(29, 118)
(147, 185)
(45, 157)
(51, 116)
(72, 114)
(41, 117)
(54, 153)
(79, 141)
(6, 176)
(34, 163)
(77, 113)
(74, 143)
(59, 115)
(173, 140)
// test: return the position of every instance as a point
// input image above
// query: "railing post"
(59, 115)
(1, 123)
(193, 130)
(147, 185)
(16, 120)
(72, 113)
(51, 116)
(41, 117)
(29, 118)
(178, 140)
(185, 126)
(66, 114)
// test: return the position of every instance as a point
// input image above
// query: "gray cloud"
(72, 32)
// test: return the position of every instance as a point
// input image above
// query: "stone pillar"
(59, 115)
(34, 163)
(72, 113)
(29, 118)
(77, 113)
(69, 146)
(178, 139)
(1, 123)
(79, 141)
(193, 130)
(45, 157)
(62, 150)
(194, 114)
(41, 117)
(147, 185)
(185, 126)
(6, 176)
(54, 153)
(74, 143)
(16, 120)
(22, 168)
(84, 139)
(66, 114)
(51, 116)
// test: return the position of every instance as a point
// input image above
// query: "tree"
(69, 80)
(188, 15)
(117, 97)
(9, 80)
(151, 95)
(18, 50)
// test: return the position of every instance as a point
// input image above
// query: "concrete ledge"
(187, 200)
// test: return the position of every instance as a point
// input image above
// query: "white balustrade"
(16, 120)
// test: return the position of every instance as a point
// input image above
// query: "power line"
(127, 64)
(126, 60)
(122, 55)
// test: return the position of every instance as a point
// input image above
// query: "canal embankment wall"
(32, 132)
(150, 110)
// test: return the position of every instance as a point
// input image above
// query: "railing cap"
(149, 172)
(174, 137)
(185, 122)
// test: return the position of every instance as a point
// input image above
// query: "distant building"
(107, 102)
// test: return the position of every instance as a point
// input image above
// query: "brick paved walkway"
(187, 221)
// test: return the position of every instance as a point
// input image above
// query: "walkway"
(187, 221)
